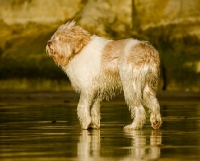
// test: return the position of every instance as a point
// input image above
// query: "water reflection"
(89, 145)
(143, 146)
(28, 133)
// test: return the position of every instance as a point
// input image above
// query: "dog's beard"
(58, 53)
(50, 51)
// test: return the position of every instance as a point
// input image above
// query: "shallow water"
(51, 131)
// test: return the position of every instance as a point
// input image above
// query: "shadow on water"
(51, 131)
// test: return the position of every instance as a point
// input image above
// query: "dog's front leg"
(83, 110)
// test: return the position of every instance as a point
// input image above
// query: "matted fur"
(100, 69)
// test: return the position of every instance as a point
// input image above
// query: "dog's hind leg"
(83, 109)
(139, 115)
(95, 114)
(150, 101)
(132, 85)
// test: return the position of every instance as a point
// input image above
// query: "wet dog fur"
(100, 69)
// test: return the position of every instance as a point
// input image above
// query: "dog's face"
(67, 41)
(58, 48)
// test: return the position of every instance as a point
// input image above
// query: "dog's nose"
(49, 42)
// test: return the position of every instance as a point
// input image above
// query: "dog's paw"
(156, 121)
(85, 122)
(93, 126)
(156, 124)
(85, 126)
(132, 127)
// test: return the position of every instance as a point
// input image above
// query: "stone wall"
(38, 11)
(100, 15)
(172, 26)
(153, 13)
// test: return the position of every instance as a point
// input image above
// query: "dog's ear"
(80, 38)
(78, 46)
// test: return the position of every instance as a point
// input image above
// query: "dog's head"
(66, 42)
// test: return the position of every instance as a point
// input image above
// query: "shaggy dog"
(100, 69)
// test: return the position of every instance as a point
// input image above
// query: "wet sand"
(44, 126)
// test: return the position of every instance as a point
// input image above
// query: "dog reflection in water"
(140, 150)
(100, 69)
(89, 147)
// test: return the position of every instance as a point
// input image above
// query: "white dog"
(100, 69)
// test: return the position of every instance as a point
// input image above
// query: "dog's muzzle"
(49, 43)
(49, 47)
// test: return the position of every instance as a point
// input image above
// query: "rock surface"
(172, 26)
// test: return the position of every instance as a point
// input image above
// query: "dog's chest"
(85, 66)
